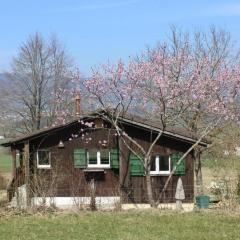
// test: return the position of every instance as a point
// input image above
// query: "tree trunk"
(149, 189)
(198, 171)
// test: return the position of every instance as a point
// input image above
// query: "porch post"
(12, 184)
(21, 159)
(14, 162)
(27, 178)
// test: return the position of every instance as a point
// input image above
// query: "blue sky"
(95, 31)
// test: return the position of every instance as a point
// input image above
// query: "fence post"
(92, 195)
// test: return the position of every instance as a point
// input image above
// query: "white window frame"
(157, 164)
(44, 166)
(98, 165)
(156, 172)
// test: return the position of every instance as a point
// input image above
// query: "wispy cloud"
(93, 6)
(227, 9)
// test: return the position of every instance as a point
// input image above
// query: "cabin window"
(160, 165)
(43, 158)
(154, 165)
(164, 164)
(104, 156)
(92, 156)
(98, 158)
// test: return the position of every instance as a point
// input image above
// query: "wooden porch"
(20, 171)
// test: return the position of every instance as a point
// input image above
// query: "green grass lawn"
(130, 225)
(5, 161)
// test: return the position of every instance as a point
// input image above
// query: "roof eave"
(126, 120)
(174, 135)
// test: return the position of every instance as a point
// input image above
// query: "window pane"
(104, 156)
(43, 157)
(164, 163)
(92, 153)
(153, 164)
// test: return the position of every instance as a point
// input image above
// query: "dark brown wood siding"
(134, 187)
(65, 180)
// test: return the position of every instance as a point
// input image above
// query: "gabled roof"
(172, 132)
(127, 119)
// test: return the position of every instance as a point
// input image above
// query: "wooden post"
(21, 159)
(14, 162)
(92, 195)
(12, 185)
(27, 173)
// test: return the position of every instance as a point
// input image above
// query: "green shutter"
(136, 166)
(114, 156)
(180, 170)
(80, 159)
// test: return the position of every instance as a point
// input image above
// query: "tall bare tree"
(40, 71)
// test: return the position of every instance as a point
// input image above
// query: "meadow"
(5, 161)
(131, 225)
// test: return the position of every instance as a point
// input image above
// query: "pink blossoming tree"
(190, 84)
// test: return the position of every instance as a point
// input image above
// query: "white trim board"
(74, 201)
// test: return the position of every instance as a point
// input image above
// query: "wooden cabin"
(63, 164)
